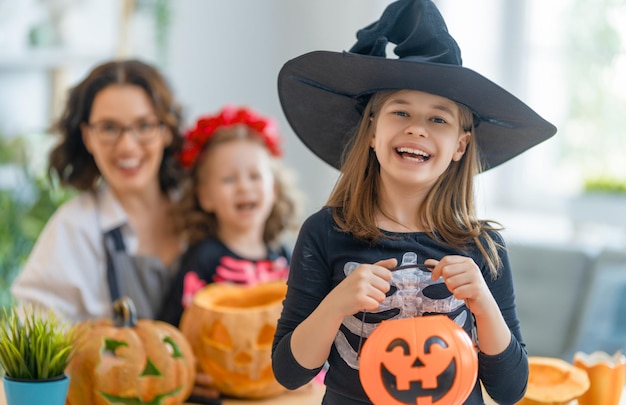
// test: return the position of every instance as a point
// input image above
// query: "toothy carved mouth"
(412, 154)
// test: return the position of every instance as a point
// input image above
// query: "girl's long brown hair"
(70, 161)
(448, 212)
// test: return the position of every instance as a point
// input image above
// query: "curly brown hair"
(198, 224)
(70, 161)
(448, 212)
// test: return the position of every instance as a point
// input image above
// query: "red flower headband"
(205, 127)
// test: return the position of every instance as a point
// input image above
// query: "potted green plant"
(35, 349)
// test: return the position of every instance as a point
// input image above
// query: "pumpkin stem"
(124, 313)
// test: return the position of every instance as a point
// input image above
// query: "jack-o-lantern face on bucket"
(231, 329)
(423, 360)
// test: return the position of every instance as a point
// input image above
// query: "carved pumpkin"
(231, 328)
(130, 361)
(422, 360)
(553, 381)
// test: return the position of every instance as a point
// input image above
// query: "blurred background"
(567, 60)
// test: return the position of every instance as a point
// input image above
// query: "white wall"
(231, 52)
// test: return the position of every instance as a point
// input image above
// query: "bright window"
(567, 60)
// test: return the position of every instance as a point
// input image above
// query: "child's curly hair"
(228, 125)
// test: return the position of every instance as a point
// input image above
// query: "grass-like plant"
(33, 345)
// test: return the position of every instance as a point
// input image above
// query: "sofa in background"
(569, 299)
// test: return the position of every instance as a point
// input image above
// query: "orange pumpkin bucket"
(607, 376)
(231, 329)
(422, 360)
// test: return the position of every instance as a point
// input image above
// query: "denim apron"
(145, 279)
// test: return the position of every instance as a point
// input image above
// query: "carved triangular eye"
(217, 335)
(266, 336)
(111, 345)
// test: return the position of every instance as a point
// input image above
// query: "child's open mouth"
(413, 154)
(249, 206)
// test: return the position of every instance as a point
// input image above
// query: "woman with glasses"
(119, 136)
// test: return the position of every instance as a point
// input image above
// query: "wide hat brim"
(320, 91)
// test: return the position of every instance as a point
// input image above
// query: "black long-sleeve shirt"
(324, 256)
(210, 261)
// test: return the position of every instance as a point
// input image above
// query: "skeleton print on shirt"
(412, 294)
(238, 271)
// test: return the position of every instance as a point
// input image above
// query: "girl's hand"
(363, 289)
(465, 281)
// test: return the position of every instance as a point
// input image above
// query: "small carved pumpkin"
(553, 381)
(130, 361)
(423, 360)
(231, 328)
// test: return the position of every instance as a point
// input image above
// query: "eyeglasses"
(111, 132)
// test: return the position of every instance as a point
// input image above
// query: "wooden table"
(307, 396)
(310, 395)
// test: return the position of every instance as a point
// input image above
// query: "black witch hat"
(322, 93)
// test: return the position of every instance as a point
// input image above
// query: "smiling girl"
(408, 134)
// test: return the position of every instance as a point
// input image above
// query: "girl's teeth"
(413, 154)
(413, 151)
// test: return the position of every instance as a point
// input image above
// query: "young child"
(414, 131)
(236, 207)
